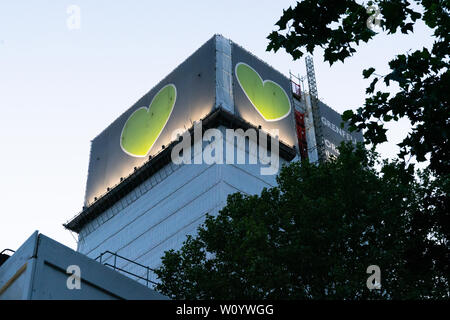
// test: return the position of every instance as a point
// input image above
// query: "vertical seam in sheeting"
(223, 76)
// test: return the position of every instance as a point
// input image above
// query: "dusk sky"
(60, 87)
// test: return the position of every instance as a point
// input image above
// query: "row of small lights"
(162, 148)
(136, 168)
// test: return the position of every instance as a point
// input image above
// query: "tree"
(423, 76)
(314, 235)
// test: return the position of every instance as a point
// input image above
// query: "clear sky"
(59, 87)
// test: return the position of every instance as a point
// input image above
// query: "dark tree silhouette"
(423, 76)
(314, 236)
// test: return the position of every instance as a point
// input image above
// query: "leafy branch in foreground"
(423, 75)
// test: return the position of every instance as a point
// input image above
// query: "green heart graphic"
(145, 125)
(268, 98)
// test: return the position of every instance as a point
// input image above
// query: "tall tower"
(225, 108)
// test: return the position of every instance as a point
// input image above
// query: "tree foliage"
(422, 75)
(314, 235)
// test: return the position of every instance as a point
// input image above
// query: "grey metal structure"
(38, 271)
(312, 85)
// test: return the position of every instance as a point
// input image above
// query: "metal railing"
(115, 267)
(10, 250)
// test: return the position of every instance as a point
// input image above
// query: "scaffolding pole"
(312, 85)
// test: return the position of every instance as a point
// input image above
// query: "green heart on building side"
(145, 125)
(268, 98)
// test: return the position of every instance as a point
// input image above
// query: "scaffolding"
(312, 85)
(297, 86)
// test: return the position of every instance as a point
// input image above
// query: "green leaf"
(347, 115)
(368, 72)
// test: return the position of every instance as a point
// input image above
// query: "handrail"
(133, 274)
(7, 250)
(115, 267)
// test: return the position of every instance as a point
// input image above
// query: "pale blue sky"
(59, 88)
